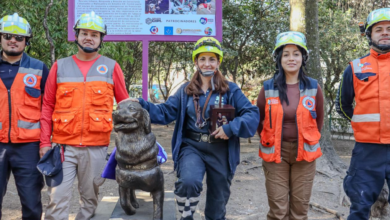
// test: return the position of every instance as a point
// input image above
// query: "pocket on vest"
(32, 97)
(267, 139)
(28, 123)
(99, 95)
(366, 86)
(100, 121)
(64, 122)
(311, 135)
(65, 97)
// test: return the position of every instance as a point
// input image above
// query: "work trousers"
(22, 160)
(370, 166)
(289, 185)
(87, 163)
(195, 160)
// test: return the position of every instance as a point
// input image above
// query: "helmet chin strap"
(87, 49)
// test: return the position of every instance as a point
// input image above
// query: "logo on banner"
(168, 30)
(208, 31)
(191, 31)
(102, 69)
(151, 20)
(30, 80)
(153, 30)
(203, 21)
(308, 102)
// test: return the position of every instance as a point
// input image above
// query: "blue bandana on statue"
(109, 170)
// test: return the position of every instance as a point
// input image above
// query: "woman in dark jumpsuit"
(195, 151)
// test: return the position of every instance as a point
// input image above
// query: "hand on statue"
(43, 151)
(220, 133)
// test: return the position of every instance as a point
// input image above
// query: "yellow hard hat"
(13, 24)
(207, 45)
(91, 21)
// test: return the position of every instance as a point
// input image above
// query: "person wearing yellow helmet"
(291, 118)
(22, 83)
(77, 110)
(363, 99)
(90, 24)
(195, 150)
(373, 35)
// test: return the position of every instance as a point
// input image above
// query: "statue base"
(110, 208)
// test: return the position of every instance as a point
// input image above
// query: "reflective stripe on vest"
(36, 72)
(311, 148)
(366, 118)
(81, 79)
(1, 125)
(28, 125)
(267, 150)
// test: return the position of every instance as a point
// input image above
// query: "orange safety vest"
(21, 105)
(371, 82)
(308, 134)
(83, 110)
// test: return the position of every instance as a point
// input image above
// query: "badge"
(308, 102)
(209, 48)
(30, 80)
(273, 101)
(102, 69)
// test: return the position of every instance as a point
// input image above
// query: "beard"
(381, 47)
(12, 53)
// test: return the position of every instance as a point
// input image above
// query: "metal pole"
(145, 65)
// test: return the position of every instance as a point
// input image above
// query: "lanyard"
(199, 123)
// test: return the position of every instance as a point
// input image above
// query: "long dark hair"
(280, 77)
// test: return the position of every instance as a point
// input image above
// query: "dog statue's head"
(130, 116)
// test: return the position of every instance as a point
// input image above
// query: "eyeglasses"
(291, 35)
(10, 36)
(207, 43)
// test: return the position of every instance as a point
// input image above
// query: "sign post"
(145, 66)
(152, 20)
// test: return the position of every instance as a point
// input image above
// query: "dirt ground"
(248, 199)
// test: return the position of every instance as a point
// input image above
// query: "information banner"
(152, 20)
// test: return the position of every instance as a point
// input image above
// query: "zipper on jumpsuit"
(82, 120)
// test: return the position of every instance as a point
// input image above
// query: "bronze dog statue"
(137, 158)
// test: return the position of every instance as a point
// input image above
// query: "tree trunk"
(315, 71)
